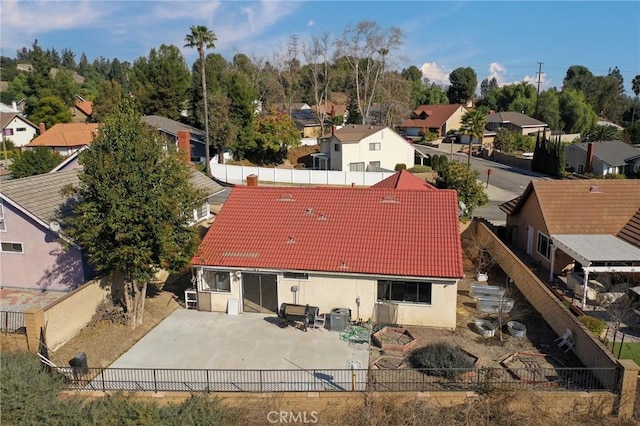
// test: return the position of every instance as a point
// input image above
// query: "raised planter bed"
(533, 367)
(394, 339)
(387, 362)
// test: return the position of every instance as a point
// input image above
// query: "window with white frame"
(295, 275)
(374, 146)
(202, 211)
(216, 281)
(544, 248)
(3, 224)
(10, 247)
(404, 291)
(374, 165)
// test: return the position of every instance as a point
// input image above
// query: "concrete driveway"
(208, 340)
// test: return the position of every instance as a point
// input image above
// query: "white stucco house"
(370, 250)
(17, 129)
(360, 148)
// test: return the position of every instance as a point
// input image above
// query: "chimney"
(252, 180)
(333, 130)
(333, 111)
(591, 148)
(184, 145)
(43, 128)
(14, 106)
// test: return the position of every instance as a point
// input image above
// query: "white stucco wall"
(333, 291)
(394, 149)
(23, 137)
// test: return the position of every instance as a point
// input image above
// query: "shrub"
(435, 162)
(400, 166)
(419, 169)
(595, 325)
(441, 359)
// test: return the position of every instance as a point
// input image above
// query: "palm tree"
(473, 123)
(600, 133)
(201, 38)
(635, 86)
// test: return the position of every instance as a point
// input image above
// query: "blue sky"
(504, 39)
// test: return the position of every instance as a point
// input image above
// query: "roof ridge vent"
(285, 196)
(595, 189)
(309, 211)
(322, 217)
(291, 240)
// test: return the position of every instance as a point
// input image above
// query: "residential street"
(505, 182)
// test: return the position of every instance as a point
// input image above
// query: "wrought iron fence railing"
(12, 322)
(393, 380)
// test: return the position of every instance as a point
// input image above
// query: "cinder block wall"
(64, 318)
(589, 350)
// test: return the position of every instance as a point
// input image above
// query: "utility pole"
(538, 95)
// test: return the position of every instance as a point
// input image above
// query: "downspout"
(553, 261)
(584, 287)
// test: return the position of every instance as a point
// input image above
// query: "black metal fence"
(398, 380)
(12, 322)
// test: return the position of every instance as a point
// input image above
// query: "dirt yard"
(491, 351)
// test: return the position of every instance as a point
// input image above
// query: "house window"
(580, 168)
(295, 275)
(7, 247)
(21, 129)
(544, 248)
(7, 132)
(3, 224)
(336, 147)
(216, 281)
(356, 167)
(202, 212)
(375, 146)
(404, 291)
(374, 165)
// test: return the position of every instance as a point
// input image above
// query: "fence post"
(208, 389)
(260, 378)
(155, 382)
(104, 389)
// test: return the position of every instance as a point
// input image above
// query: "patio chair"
(565, 340)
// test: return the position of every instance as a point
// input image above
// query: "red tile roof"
(437, 115)
(67, 134)
(85, 106)
(404, 180)
(342, 230)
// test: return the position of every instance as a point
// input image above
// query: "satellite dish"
(354, 364)
(54, 226)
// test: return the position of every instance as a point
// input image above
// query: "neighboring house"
(589, 220)
(367, 250)
(307, 122)
(404, 180)
(602, 158)
(438, 119)
(17, 129)
(33, 253)
(169, 129)
(332, 110)
(514, 122)
(361, 147)
(65, 138)
(9, 108)
(82, 110)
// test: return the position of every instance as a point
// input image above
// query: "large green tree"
(464, 81)
(34, 162)
(600, 133)
(49, 110)
(549, 108)
(202, 38)
(635, 86)
(274, 133)
(576, 114)
(161, 81)
(135, 201)
(472, 124)
(465, 181)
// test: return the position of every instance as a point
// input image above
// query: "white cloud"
(544, 83)
(435, 73)
(497, 71)
(310, 23)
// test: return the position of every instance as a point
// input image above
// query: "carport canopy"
(596, 253)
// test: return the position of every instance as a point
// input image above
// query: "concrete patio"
(190, 339)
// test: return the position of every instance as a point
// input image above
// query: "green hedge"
(595, 325)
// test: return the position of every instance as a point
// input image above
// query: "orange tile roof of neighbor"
(337, 230)
(404, 180)
(584, 206)
(437, 116)
(67, 134)
(85, 106)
